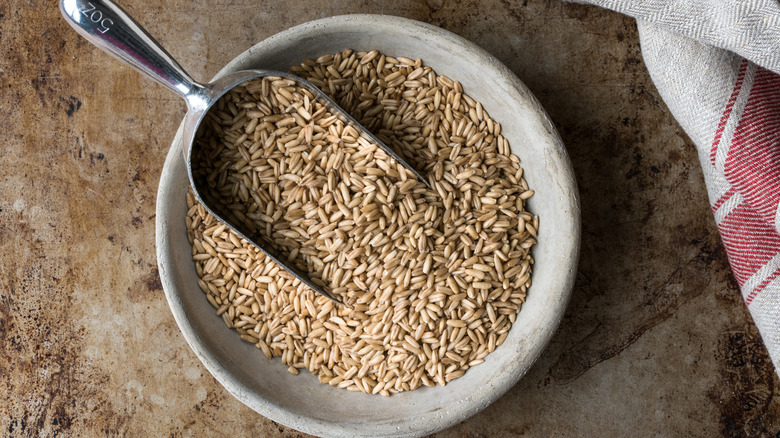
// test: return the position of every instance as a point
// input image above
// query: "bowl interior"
(301, 401)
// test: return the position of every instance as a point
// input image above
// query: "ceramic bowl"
(301, 402)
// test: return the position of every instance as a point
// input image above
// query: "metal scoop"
(110, 28)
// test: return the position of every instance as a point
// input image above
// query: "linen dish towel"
(716, 64)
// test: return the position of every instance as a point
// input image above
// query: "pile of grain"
(432, 278)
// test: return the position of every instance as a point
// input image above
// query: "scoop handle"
(109, 27)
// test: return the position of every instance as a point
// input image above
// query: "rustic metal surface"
(656, 338)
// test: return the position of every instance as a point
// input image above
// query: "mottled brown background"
(656, 340)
